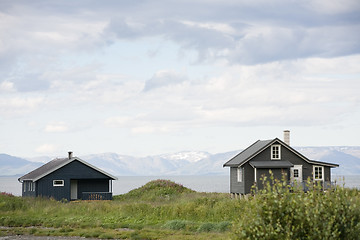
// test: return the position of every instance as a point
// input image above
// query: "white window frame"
(322, 173)
(240, 174)
(272, 152)
(58, 184)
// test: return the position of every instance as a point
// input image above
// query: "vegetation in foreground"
(281, 212)
(162, 209)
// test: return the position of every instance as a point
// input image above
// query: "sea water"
(126, 183)
(198, 183)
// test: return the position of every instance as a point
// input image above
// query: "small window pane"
(275, 152)
(58, 183)
(296, 173)
(318, 173)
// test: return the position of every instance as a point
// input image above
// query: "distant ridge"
(184, 163)
(10, 165)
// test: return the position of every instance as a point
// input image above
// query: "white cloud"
(220, 27)
(334, 6)
(223, 64)
(164, 78)
(56, 127)
(46, 148)
(15, 105)
(118, 121)
(6, 86)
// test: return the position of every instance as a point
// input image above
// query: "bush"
(223, 226)
(276, 212)
(207, 227)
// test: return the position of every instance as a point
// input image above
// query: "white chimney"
(287, 137)
(70, 155)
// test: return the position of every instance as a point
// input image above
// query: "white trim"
(58, 183)
(240, 173)
(322, 173)
(254, 174)
(300, 175)
(272, 151)
(73, 189)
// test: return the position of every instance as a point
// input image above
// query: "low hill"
(156, 190)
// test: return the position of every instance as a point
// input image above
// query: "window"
(29, 186)
(275, 152)
(58, 183)
(296, 173)
(32, 186)
(318, 173)
(240, 174)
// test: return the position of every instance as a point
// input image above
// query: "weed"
(175, 224)
(206, 227)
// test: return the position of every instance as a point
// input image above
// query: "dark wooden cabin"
(68, 178)
(248, 168)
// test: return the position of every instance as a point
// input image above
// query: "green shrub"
(223, 226)
(276, 212)
(207, 227)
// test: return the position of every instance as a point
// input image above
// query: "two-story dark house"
(249, 166)
(68, 178)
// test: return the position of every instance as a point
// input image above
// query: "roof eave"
(64, 164)
(333, 165)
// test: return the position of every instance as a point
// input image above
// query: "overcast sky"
(150, 77)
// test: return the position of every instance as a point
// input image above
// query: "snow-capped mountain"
(183, 163)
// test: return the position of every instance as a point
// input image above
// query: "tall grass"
(163, 210)
(158, 205)
(281, 212)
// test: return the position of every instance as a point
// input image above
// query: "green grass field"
(162, 209)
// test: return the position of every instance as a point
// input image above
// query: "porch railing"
(305, 185)
(96, 196)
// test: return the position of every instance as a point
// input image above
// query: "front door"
(74, 189)
(296, 174)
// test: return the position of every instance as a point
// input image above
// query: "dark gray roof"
(248, 153)
(46, 168)
(259, 146)
(271, 164)
(55, 164)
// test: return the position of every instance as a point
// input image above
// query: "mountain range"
(182, 163)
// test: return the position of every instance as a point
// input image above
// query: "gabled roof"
(260, 145)
(56, 164)
(248, 153)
